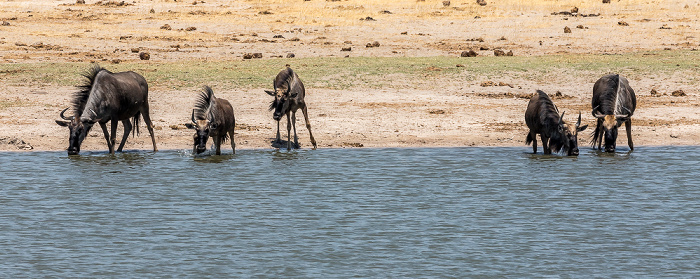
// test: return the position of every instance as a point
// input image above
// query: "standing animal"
(289, 97)
(613, 103)
(212, 117)
(542, 117)
(107, 96)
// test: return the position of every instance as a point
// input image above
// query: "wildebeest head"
(611, 123)
(565, 139)
(282, 101)
(78, 127)
(203, 128)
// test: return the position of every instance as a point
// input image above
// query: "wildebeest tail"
(135, 130)
(596, 135)
(529, 139)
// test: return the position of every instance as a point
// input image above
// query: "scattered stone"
(266, 12)
(369, 18)
(446, 3)
(665, 26)
(80, 2)
(574, 10)
(579, 26)
(481, 40)
(5, 23)
(116, 61)
(166, 27)
(460, 66)
(191, 28)
(606, 1)
(353, 144)
(153, 11)
(678, 93)
(469, 53)
(290, 55)
(436, 111)
(510, 53)
(257, 55)
(373, 44)
(145, 56)
(295, 39)
(248, 56)
(498, 52)
(385, 12)
(404, 33)
(178, 127)
(278, 37)
(346, 49)
(348, 42)
(18, 143)
(488, 83)
(567, 29)
(481, 2)
(623, 23)
(654, 93)
(135, 50)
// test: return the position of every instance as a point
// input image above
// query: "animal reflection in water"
(212, 117)
(289, 97)
(105, 97)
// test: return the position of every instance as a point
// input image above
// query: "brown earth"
(456, 114)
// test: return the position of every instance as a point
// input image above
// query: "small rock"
(166, 27)
(469, 53)
(80, 2)
(567, 29)
(369, 18)
(373, 44)
(665, 26)
(348, 42)
(606, 1)
(484, 48)
(152, 11)
(290, 55)
(248, 56)
(446, 3)
(510, 53)
(481, 2)
(178, 127)
(5, 23)
(145, 56)
(622, 23)
(678, 93)
(278, 37)
(498, 52)
(574, 10)
(191, 28)
(346, 49)
(654, 93)
(116, 61)
(488, 83)
(135, 50)
(404, 33)
(579, 26)
(257, 55)
(460, 66)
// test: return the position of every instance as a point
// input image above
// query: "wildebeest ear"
(189, 126)
(582, 128)
(62, 123)
(293, 95)
(271, 93)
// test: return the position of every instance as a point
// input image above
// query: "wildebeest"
(212, 117)
(542, 117)
(613, 103)
(107, 96)
(289, 97)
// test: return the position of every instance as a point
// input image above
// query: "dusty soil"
(453, 114)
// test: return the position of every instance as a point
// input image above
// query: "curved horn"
(64, 117)
(193, 121)
(93, 112)
(629, 113)
(561, 118)
(578, 123)
(597, 114)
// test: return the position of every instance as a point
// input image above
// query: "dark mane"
(81, 97)
(284, 78)
(203, 102)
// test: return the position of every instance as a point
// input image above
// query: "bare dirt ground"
(451, 114)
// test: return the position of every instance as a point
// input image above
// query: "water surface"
(339, 213)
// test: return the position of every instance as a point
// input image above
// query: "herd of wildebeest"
(107, 96)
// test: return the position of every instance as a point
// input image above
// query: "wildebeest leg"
(233, 142)
(113, 136)
(278, 140)
(106, 133)
(534, 142)
(149, 124)
(289, 130)
(294, 126)
(545, 144)
(308, 125)
(628, 127)
(599, 128)
(127, 130)
(217, 144)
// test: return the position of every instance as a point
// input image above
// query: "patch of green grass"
(367, 72)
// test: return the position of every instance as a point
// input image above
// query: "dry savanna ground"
(378, 73)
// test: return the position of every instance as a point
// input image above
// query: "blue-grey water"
(341, 213)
